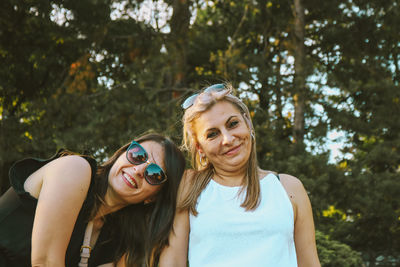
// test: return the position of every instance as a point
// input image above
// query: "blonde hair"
(204, 172)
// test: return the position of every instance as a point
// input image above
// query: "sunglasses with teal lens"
(213, 88)
(137, 155)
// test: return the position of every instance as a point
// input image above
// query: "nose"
(227, 138)
(139, 169)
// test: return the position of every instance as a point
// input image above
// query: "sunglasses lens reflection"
(213, 88)
(154, 174)
(136, 155)
(189, 101)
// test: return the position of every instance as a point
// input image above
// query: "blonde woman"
(230, 211)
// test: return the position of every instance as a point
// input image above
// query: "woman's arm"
(63, 188)
(304, 232)
(175, 255)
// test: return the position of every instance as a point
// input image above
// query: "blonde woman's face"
(223, 137)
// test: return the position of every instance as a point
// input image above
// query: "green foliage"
(334, 254)
(76, 75)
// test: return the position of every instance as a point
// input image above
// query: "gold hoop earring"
(201, 158)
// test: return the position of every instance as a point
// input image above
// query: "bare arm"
(64, 185)
(175, 255)
(304, 232)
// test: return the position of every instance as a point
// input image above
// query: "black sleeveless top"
(17, 211)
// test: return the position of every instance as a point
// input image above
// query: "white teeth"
(129, 179)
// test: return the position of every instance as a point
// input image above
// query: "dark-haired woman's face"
(127, 184)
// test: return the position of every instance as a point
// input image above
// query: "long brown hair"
(201, 178)
(143, 230)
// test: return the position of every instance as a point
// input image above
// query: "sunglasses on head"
(213, 88)
(137, 155)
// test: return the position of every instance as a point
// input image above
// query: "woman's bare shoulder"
(294, 188)
(72, 167)
(290, 181)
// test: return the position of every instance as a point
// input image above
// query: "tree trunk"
(179, 23)
(300, 75)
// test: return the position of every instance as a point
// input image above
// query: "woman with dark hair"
(230, 211)
(67, 211)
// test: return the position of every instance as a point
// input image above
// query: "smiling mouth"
(129, 180)
(232, 150)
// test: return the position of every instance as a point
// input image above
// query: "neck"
(229, 178)
(109, 206)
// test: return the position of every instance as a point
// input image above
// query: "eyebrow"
(233, 116)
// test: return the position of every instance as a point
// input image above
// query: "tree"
(89, 75)
(333, 253)
(362, 64)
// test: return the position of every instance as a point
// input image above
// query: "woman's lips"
(129, 180)
(233, 150)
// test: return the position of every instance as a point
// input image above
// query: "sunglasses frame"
(191, 99)
(134, 143)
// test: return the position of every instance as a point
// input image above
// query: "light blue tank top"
(224, 234)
